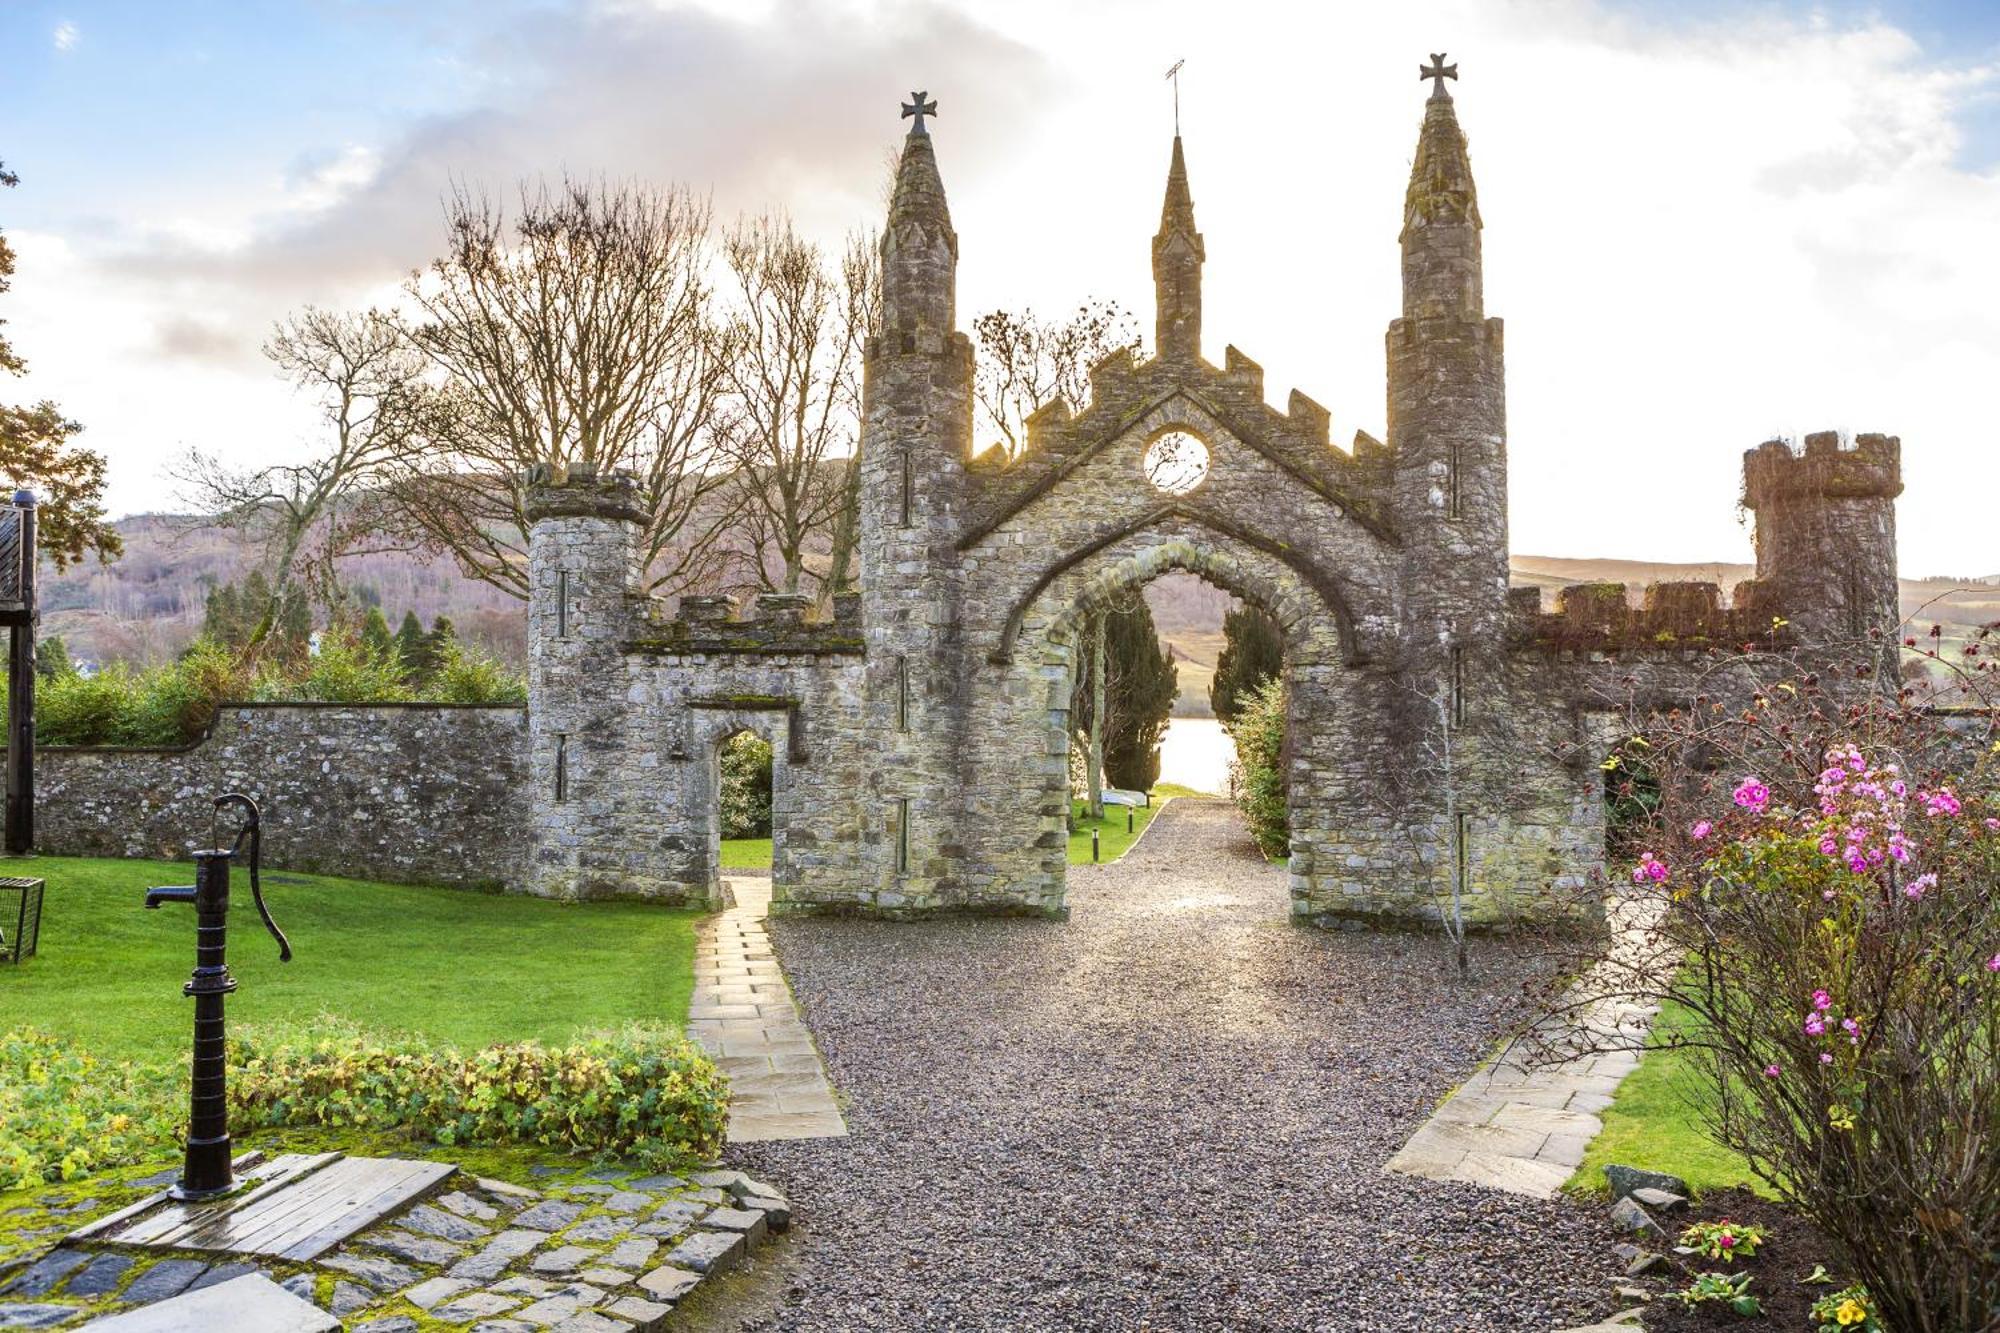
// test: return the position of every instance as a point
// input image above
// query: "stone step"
(249, 1304)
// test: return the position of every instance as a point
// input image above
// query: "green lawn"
(1652, 1124)
(1112, 837)
(453, 965)
(746, 853)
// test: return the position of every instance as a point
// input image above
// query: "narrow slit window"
(902, 694)
(562, 604)
(562, 768)
(902, 817)
(1461, 869)
(1451, 482)
(1457, 686)
(909, 490)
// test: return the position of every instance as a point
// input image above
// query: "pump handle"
(252, 831)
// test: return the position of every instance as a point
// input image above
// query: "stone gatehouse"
(1444, 729)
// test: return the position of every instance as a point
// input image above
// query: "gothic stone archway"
(926, 755)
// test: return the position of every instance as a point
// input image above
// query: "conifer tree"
(222, 619)
(410, 647)
(1253, 651)
(439, 644)
(375, 635)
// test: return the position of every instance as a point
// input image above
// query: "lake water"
(1196, 752)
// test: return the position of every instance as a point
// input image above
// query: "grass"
(1113, 840)
(1652, 1123)
(448, 964)
(746, 853)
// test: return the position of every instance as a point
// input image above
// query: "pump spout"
(183, 893)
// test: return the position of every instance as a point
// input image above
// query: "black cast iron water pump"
(205, 1171)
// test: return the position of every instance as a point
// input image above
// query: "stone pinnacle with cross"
(1437, 71)
(920, 108)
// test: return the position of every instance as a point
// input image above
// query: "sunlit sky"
(1706, 223)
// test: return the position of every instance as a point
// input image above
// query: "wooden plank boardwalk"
(295, 1207)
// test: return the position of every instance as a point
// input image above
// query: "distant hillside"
(148, 605)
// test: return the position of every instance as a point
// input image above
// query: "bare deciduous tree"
(1026, 363)
(794, 420)
(368, 384)
(579, 335)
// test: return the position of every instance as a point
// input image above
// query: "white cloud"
(65, 36)
(1698, 235)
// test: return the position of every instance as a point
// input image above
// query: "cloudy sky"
(1706, 223)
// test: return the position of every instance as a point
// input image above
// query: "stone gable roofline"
(1060, 442)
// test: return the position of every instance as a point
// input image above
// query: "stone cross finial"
(920, 108)
(1437, 72)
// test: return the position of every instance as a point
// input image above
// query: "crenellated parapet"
(779, 624)
(1775, 473)
(1671, 618)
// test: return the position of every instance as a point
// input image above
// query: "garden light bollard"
(205, 1170)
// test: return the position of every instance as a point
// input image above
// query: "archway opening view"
(1166, 667)
(744, 798)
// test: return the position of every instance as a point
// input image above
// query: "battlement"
(557, 490)
(1775, 471)
(1671, 617)
(710, 625)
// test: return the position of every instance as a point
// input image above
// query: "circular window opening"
(1177, 462)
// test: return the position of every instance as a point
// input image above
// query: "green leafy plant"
(1259, 768)
(64, 1115)
(1724, 1240)
(1731, 1289)
(1846, 1311)
(640, 1094)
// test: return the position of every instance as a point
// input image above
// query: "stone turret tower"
(1177, 260)
(583, 572)
(916, 440)
(1447, 399)
(1826, 540)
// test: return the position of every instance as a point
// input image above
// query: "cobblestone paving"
(613, 1254)
(1171, 1112)
(742, 1014)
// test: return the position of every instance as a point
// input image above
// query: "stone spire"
(1441, 263)
(919, 247)
(1177, 258)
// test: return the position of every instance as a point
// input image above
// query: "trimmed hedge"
(644, 1095)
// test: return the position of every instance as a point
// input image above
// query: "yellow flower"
(1851, 1311)
(1840, 1117)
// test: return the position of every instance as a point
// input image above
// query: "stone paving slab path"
(1523, 1123)
(744, 1016)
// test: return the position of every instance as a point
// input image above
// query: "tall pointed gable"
(1441, 252)
(919, 247)
(1177, 260)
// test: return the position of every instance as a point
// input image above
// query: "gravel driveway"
(1170, 1112)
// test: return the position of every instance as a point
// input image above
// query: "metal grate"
(20, 918)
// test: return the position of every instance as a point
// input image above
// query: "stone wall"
(411, 793)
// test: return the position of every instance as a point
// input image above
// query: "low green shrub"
(460, 677)
(174, 702)
(640, 1094)
(344, 671)
(64, 1115)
